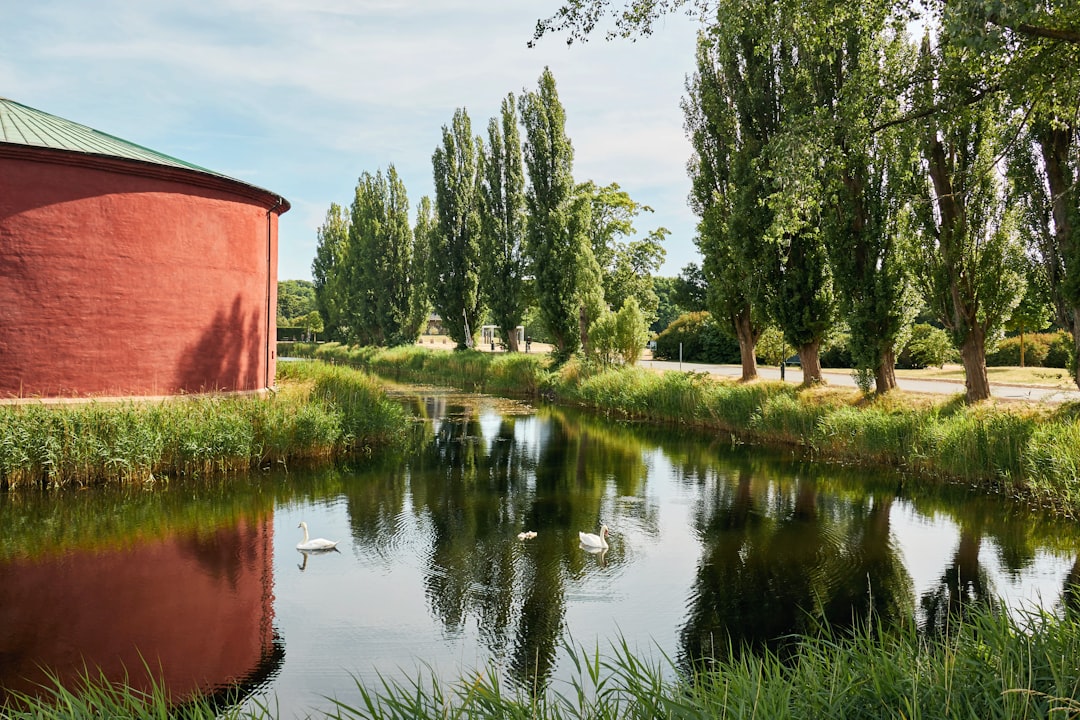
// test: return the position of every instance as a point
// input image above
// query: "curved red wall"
(119, 278)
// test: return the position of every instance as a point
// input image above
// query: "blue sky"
(301, 96)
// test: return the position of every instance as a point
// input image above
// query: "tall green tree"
(627, 262)
(454, 267)
(795, 268)
(295, 299)
(729, 198)
(668, 307)
(380, 261)
(420, 303)
(1044, 169)
(502, 195)
(328, 272)
(967, 259)
(566, 273)
(856, 57)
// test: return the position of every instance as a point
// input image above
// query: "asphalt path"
(843, 378)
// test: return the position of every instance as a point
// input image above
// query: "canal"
(200, 581)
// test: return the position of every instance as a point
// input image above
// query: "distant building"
(124, 271)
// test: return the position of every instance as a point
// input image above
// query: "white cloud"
(301, 96)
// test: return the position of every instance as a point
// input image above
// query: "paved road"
(842, 378)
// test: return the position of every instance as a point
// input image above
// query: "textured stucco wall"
(117, 279)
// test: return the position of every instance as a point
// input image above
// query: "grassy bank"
(989, 666)
(320, 412)
(1024, 450)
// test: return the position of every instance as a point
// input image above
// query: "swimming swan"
(589, 540)
(317, 543)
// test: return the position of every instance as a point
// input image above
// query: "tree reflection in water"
(782, 549)
(781, 559)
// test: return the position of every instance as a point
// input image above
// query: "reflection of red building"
(197, 609)
(127, 272)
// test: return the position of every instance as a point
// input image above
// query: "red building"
(124, 271)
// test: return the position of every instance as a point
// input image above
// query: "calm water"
(202, 581)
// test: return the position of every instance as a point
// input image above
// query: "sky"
(302, 96)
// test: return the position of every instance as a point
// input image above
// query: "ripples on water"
(707, 544)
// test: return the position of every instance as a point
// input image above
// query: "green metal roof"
(22, 125)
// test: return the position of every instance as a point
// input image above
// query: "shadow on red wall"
(228, 355)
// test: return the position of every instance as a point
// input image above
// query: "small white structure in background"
(489, 335)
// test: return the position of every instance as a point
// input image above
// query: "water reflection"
(781, 557)
(712, 549)
(193, 610)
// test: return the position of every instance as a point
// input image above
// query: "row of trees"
(842, 172)
(508, 229)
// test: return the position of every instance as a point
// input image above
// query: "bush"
(702, 338)
(1007, 352)
(772, 348)
(928, 347)
(1060, 351)
(836, 351)
(603, 343)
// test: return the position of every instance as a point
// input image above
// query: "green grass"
(321, 412)
(989, 665)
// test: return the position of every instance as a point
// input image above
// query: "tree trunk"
(1076, 346)
(810, 360)
(1021, 347)
(512, 341)
(973, 353)
(885, 373)
(745, 331)
(1055, 152)
(583, 328)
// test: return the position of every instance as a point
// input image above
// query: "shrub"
(1060, 351)
(928, 347)
(603, 343)
(1007, 353)
(772, 348)
(702, 338)
(836, 351)
(631, 330)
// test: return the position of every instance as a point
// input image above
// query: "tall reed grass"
(989, 665)
(519, 374)
(322, 411)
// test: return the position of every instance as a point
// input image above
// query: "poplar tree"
(855, 63)
(327, 272)
(380, 261)
(966, 258)
(420, 302)
(720, 151)
(1044, 169)
(794, 261)
(502, 194)
(567, 275)
(361, 268)
(454, 268)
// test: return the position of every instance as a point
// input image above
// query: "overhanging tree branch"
(936, 108)
(1063, 34)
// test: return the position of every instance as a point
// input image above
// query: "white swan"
(591, 541)
(527, 535)
(316, 544)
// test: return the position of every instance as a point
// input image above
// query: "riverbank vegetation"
(320, 412)
(988, 664)
(1032, 452)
